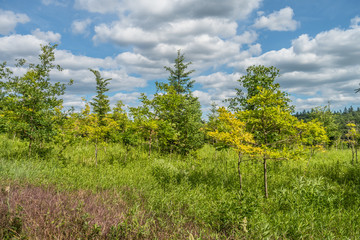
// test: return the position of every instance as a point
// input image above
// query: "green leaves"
(178, 111)
(232, 131)
(29, 102)
(257, 77)
(100, 103)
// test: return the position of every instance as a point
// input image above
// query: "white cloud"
(9, 20)
(203, 40)
(247, 37)
(61, 3)
(19, 46)
(281, 20)
(355, 22)
(152, 12)
(76, 62)
(207, 32)
(48, 36)
(204, 98)
(124, 35)
(216, 88)
(129, 99)
(104, 6)
(219, 81)
(76, 67)
(326, 66)
(138, 64)
(80, 26)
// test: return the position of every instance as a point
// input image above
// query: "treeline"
(259, 123)
(169, 172)
(335, 120)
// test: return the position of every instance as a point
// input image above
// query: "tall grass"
(319, 200)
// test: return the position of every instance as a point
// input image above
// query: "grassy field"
(130, 195)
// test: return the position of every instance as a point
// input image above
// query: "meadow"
(129, 195)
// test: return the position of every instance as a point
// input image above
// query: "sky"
(314, 44)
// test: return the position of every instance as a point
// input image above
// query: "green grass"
(319, 200)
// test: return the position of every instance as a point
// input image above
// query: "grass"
(174, 197)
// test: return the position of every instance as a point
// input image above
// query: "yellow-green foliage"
(313, 135)
(92, 128)
(352, 133)
(274, 128)
(232, 132)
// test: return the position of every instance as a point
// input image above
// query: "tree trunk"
(265, 179)
(150, 141)
(239, 171)
(96, 152)
(356, 155)
(30, 143)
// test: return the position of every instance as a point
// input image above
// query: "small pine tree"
(178, 109)
(100, 103)
(179, 78)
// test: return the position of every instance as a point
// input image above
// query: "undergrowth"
(167, 196)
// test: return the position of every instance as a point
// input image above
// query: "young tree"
(178, 109)
(275, 130)
(256, 76)
(145, 121)
(352, 137)
(313, 137)
(179, 78)
(93, 129)
(213, 121)
(30, 101)
(100, 103)
(328, 120)
(232, 132)
(120, 116)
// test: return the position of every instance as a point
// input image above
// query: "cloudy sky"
(314, 43)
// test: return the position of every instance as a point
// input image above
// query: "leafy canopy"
(30, 101)
(256, 76)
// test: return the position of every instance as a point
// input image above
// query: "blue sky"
(315, 44)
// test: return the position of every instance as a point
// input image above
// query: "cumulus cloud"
(281, 20)
(61, 3)
(138, 64)
(152, 12)
(326, 66)
(9, 20)
(207, 32)
(19, 46)
(104, 6)
(204, 98)
(76, 67)
(129, 99)
(203, 40)
(80, 26)
(219, 81)
(355, 22)
(216, 87)
(48, 36)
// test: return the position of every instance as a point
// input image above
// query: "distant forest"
(336, 120)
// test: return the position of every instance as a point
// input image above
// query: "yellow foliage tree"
(274, 129)
(94, 129)
(313, 137)
(352, 137)
(232, 132)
